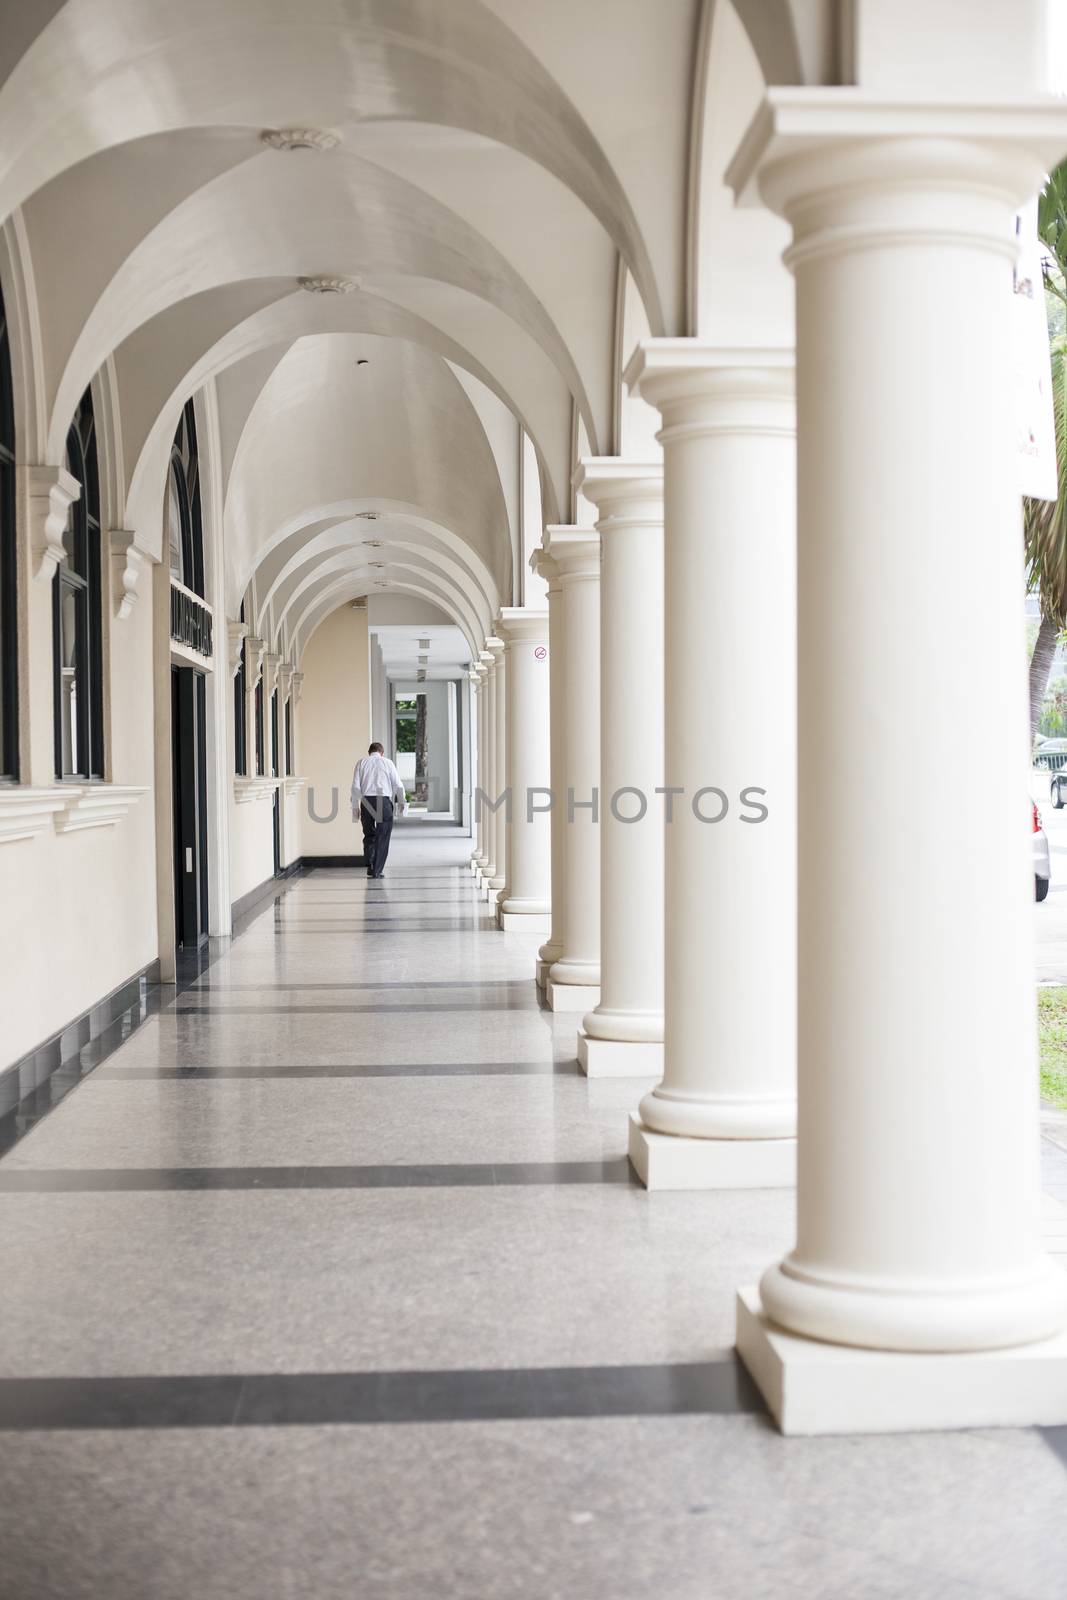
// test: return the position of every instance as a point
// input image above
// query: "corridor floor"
(331, 1282)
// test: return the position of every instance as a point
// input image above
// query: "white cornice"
(248, 789)
(97, 805)
(26, 812)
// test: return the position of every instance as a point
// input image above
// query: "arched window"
(9, 687)
(240, 736)
(76, 614)
(185, 526)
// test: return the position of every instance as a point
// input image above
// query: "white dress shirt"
(376, 776)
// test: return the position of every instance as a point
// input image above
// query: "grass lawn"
(1052, 1025)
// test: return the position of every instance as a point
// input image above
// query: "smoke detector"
(300, 138)
(328, 285)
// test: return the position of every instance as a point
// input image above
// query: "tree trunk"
(1040, 667)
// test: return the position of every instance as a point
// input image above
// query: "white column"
(623, 1036)
(917, 1182)
(477, 826)
(497, 879)
(486, 766)
(546, 568)
(526, 904)
(725, 1112)
(574, 977)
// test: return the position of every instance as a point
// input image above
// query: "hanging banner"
(1038, 475)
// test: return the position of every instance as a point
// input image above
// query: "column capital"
(852, 171)
(622, 491)
(521, 622)
(494, 649)
(576, 551)
(713, 387)
(543, 565)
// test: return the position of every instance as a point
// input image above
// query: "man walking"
(376, 789)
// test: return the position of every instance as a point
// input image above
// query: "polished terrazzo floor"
(331, 1282)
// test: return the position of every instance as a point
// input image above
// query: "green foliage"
(405, 735)
(1053, 719)
(1052, 1035)
(1045, 521)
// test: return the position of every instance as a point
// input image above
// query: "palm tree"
(1045, 521)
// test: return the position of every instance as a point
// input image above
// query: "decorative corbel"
(127, 564)
(285, 681)
(298, 686)
(255, 650)
(236, 633)
(271, 663)
(52, 492)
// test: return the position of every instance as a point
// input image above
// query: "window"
(288, 739)
(261, 754)
(9, 688)
(76, 614)
(185, 528)
(240, 743)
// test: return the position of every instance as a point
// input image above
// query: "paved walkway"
(331, 1283)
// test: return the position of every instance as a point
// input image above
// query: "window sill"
(26, 812)
(246, 789)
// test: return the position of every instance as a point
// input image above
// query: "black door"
(277, 772)
(189, 777)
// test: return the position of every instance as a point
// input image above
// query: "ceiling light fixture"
(328, 285)
(300, 138)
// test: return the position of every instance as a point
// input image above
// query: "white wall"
(334, 715)
(80, 908)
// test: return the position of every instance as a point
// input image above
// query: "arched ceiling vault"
(486, 167)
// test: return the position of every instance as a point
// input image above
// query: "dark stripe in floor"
(104, 1180)
(272, 1069)
(713, 1388)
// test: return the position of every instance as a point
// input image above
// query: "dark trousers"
(376, 815)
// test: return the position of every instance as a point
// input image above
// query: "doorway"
(189, 778)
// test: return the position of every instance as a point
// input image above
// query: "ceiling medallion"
(328, 285)
(300, 138)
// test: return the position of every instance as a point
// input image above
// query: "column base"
(490, 890)
(619, 1058)
(572, 996)
(523, 921)
(812, 1387)
(541, 972)
(671, 1161)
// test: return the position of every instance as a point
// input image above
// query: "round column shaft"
(488, 774)
(496, 821)
(477, 826)
(526, 903)
(917, 1184)
(574, 978)
(623, 1036)
(552, 948)
(725, 1112)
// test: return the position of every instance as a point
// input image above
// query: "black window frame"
(184, 473)
(9, 639)
(260, 730)
(288, 736)
(80, 580)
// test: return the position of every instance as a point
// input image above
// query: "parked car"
(1057, 790)
(1042, 860)
(1050, 754)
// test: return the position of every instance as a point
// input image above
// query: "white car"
(1042, 860)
